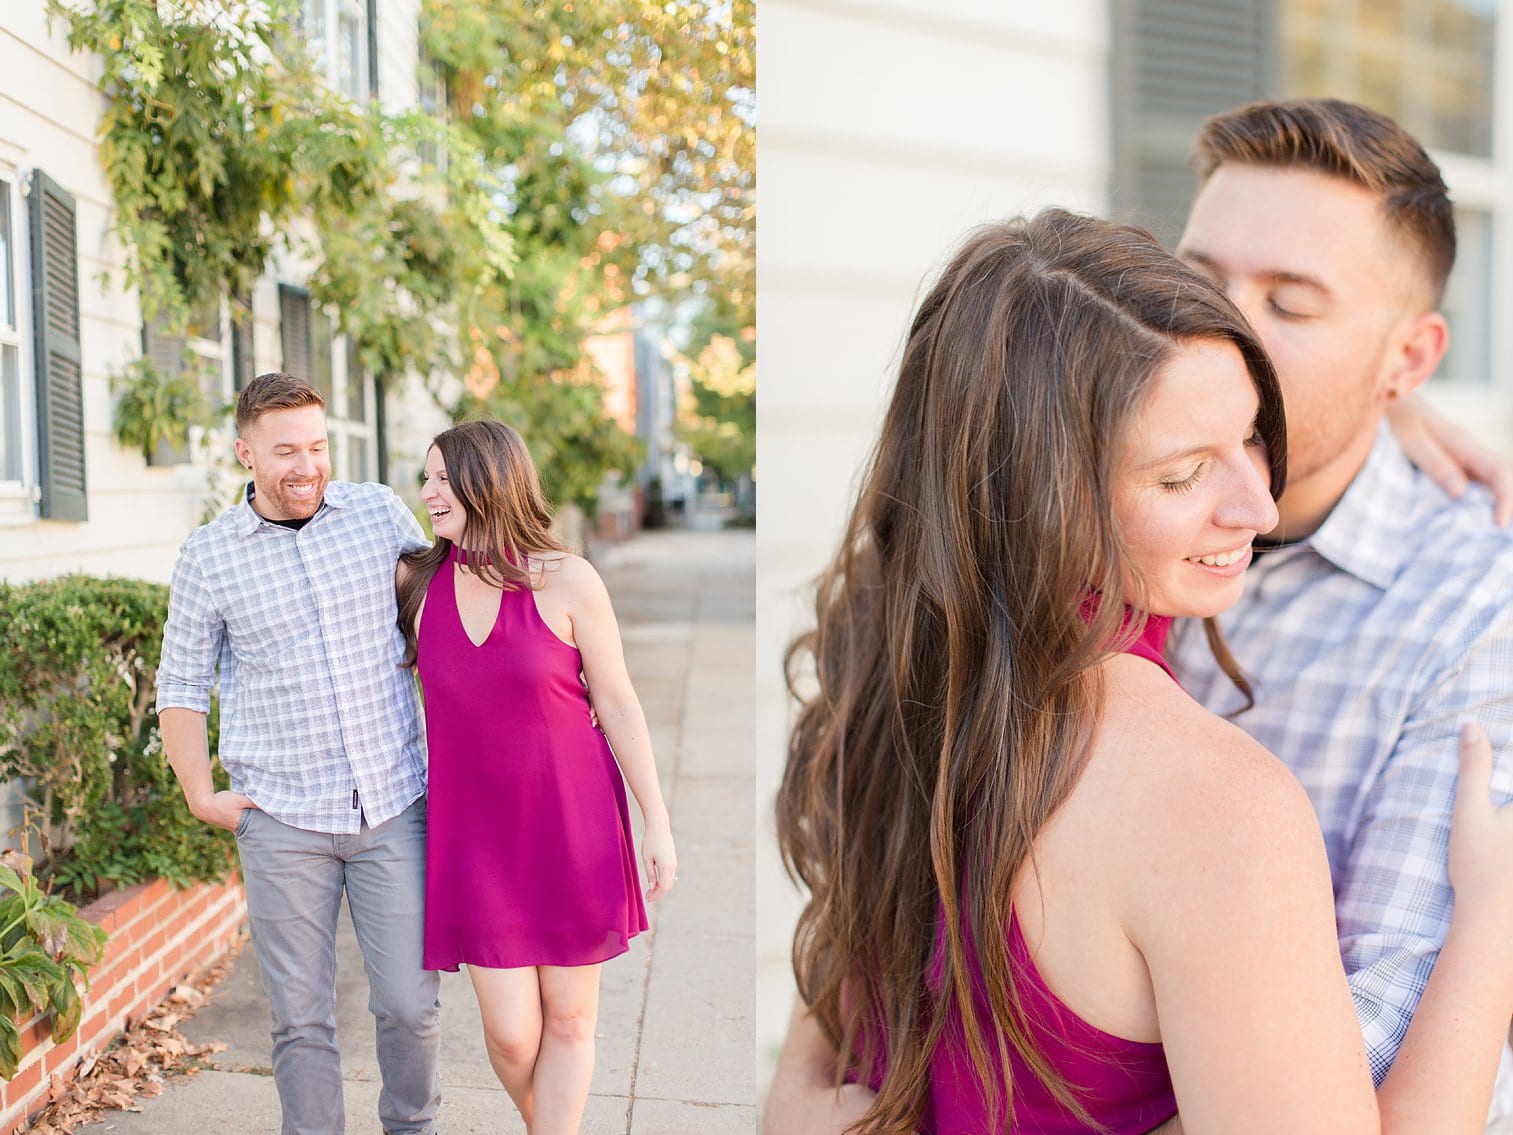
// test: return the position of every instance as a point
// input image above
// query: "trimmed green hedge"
(78, 674)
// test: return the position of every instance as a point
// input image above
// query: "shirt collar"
(1369, 534)
(248, 520)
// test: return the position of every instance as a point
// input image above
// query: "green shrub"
(78, 678)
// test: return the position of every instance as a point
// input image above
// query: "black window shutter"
(243, 357)
(373, 48)
(1175, 63)
(294, 330)
(56, 353)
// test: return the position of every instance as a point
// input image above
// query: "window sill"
(17, 507)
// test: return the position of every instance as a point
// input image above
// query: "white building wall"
(888, 129)
(50, 107)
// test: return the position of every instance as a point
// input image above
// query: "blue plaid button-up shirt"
(1368, 646)
(320, 726)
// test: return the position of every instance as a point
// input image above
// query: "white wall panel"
(887, 129)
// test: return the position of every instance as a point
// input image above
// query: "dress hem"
(623, 948)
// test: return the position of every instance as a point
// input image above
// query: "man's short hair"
(273, 391)
(1345, 140)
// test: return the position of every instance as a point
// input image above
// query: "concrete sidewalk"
(675, 1049)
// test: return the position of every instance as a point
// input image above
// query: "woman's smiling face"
(1192, 488)
(449, 520)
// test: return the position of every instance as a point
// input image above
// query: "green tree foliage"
(623, 134)
(717, 420)
(632, 120)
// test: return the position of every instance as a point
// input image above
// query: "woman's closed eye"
(1182, 484)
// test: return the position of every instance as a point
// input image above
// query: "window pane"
(1463, 25)
(315, 31)
(205, 322)
(7, 280)
(1307, 69)
(1468, 302)
(10, 415)
(320, 351)
(357, 387)
(1383, 17)
(1462, 113)
(357, 459)
(1381, 82)
(349, 55)
(1428, 63)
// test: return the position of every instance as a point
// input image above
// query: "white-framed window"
(205, 347)
(336, 34)
(329, 362)
(1431, 65)
(350, 404)
(1427, 63)
(16, 410)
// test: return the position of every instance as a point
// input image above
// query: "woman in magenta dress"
(531, 877)
(1049, 892)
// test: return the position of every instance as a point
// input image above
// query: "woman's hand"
(661, 860)
(1481, 835)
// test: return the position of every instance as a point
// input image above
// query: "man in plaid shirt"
(1381, 619)
(290, 595)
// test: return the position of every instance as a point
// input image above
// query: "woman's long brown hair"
(954, 690)
(491, 474)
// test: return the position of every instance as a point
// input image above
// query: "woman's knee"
(569, 1024)
(516, 1042)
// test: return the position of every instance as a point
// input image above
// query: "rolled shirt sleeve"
(192, 639)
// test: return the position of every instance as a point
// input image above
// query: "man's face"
(290, 461)
(1309, 260)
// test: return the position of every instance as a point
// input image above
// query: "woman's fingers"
(662, 874)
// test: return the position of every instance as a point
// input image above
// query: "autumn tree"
(623, 134)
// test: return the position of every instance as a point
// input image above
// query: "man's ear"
(243, 453)
(1413, 351)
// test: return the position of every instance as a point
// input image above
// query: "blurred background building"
(890, 127)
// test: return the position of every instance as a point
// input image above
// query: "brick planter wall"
(158, 937)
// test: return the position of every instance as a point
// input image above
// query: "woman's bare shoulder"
(564, 571)
(1191, 771)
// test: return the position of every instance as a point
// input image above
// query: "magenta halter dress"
(529, 854)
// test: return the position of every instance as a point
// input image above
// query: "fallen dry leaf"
(137, 1063)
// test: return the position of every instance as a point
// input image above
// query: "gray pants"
(294, 882)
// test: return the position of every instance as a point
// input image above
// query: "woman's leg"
(570, 1005)
(509, 1000)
